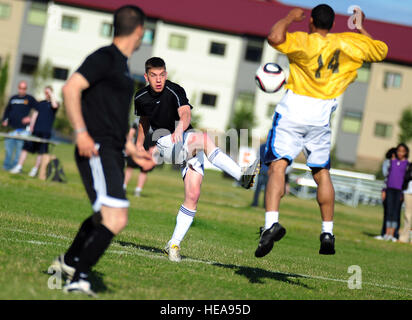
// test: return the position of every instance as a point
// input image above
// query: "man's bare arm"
(359, 26)
(185, 116)
(277, 34)
(72, 93)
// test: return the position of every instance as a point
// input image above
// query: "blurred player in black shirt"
(149, 145)
(97, 99)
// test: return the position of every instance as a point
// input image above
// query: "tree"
(43, 75)
(4, 77)
(405, 124)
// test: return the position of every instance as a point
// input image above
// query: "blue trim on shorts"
(270, 152)
(325, 165)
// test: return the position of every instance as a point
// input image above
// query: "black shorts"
(103, 177)
(131, 164)
(37, 147)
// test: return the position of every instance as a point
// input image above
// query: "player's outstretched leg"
(202, 141)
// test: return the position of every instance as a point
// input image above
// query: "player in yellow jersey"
(322, 65)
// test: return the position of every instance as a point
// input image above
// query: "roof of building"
(251, 17)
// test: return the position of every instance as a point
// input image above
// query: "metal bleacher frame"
(351, 188)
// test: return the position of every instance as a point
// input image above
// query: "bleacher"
(351, 188)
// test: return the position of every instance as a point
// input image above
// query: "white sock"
(138, 189)
(225, 163)
(124, 187)
(184, 220)
(327, 226)
(271, 217)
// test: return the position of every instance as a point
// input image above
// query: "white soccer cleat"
(16, 169)
(33, 172)
(173, 252)
(58, 265)
(80, 286)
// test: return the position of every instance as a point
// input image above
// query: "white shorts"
(177, 153)
(287, 139)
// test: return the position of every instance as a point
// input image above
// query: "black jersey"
(45, 118)
(106, 103)
(18, 108)
(161, 108)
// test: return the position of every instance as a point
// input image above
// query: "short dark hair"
(390, 153)
(126, 19)
(323, 16)
(154, 62)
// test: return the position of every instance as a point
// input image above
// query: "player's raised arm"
(72, 92)
(358, 19)
(277, 34)
(369, 49)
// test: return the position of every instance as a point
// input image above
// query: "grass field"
(39, 219)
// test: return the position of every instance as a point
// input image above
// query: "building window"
(364, 72)
(5, 10)
(209, 99)
(351, 122)
(177, 41)
(392, 80)
(106, 30)
(148, 36)
(217, 48)
(28, 64)
(383, 130)
(60, 73)
(70, 23)
(37, 14)
(254, 50)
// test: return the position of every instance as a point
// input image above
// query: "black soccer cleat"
(268, 238)
(327, 243)
(248, 178)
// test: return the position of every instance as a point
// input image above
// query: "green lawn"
(38, 220)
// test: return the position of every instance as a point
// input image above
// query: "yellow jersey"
(323, 67)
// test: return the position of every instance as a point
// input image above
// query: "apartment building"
(213, 48)
(11, 16)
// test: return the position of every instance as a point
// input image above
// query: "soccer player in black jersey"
(163, 106)
(97, 99)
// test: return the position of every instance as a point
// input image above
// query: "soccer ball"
(270, 77)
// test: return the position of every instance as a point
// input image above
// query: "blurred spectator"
(149, 145)
(394, 196)
(390, 154)
(41, 126)
(405, 235)
(16, 116)
(262, 177)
